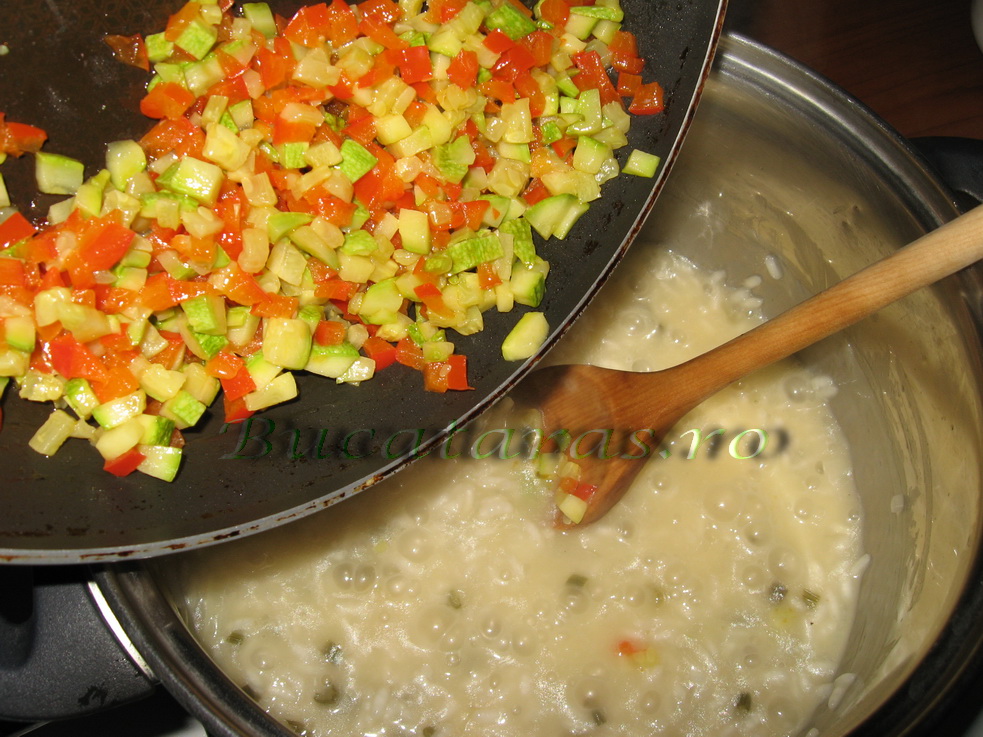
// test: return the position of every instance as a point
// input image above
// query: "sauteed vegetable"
(331, 192)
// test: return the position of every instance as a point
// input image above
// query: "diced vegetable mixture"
(331, 193)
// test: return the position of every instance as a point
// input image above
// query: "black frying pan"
(292, 460)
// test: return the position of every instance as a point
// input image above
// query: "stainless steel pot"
(782, 172)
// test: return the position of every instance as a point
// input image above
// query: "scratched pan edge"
(60, 75)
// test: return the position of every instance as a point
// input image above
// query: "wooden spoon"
(639, 408)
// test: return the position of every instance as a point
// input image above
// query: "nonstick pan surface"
(292, 459)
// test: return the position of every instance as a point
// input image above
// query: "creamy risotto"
(715, 599)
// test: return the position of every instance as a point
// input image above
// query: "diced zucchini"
(580, 26)
(56, 430)
(116, 441)
(310, 241)
(89, 196)
(158, 47)
(36, 386)
(80, 397)
(261, 18)
(468, 253)
(200, 384)
(556, 215)
(590, 154)
(573, 507)
(84, 322)
(414, 230)
(381, 302)
(281, 389)
(197, 39)
(522, 243)
(331, 360)
(183, 409)
(528, 283)
(242, 324)
(601, 12)
(641, 164)
(359, 243)
(161, 383)
(206, 314)
(261, 371)
(454, 158)
(286, 342)
(117, 411)
(19, 332)
(160, 461)
(13, 362)
(510, 21)
(157, 430)
(356, 161)
(124, 160)
(194, 178)
(362, 369)
(57, 174)
(526, 337)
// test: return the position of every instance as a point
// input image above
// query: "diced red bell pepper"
(628, 84)
(239, 286)
(224, 365)
(488, 277)
(342, 23)
(309, 25)
(73, 359)
(117, 382)
(179, 135)
(167, 100)
(540, 45)
(381, 11)
(12, 273)
(15, 228)
(431, 296)
(498, 41)
(125, 464)
(19, 138)
(235, 409)
(129, 50)
(512, 63)
(272, 67)
(410, 354)
(102, 242)
(463, 69)
(592, 75)
(276, 305)
(624, 53)
(443, 11)
(330, 332)
(415, 65)
(649, 99)
(177, 22)
(238, 385)
(381, 33)
(449, 375)
(556, 13)
(381, 351)
(336, 289)
(171, 356)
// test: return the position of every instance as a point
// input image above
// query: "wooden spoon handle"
(938, 254)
